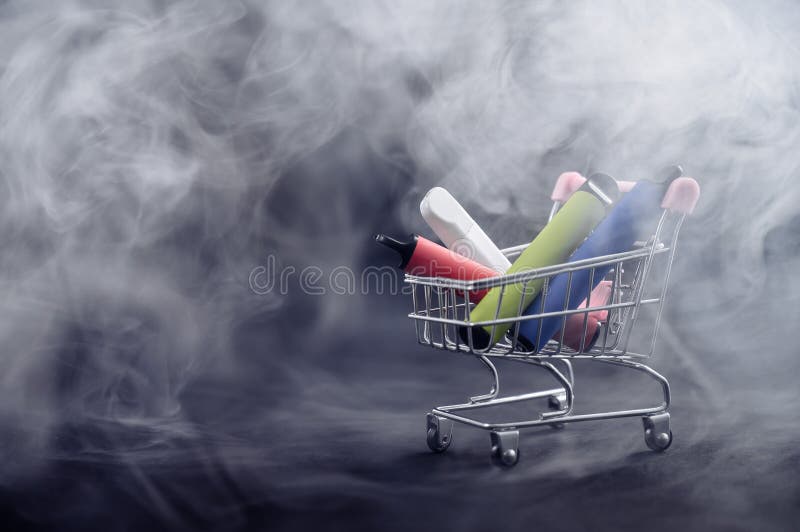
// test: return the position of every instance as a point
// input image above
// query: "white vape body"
(459, 232)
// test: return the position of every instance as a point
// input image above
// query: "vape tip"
(668, 174)
(405, 249)
(604, 187)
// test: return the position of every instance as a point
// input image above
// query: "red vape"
(422, 257)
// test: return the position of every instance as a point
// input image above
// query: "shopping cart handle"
(568, 182)
(682, 195)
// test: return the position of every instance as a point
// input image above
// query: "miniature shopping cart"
(626, 337)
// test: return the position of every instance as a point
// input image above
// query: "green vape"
(553, 245)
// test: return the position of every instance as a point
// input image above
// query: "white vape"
(459, 232)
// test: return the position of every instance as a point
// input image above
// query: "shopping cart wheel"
(557, 401)
(440, 433)
(505, 447)
(657, 434)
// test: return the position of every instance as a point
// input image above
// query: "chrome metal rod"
(526, 318)
(539, 422)
(670, 259)
(538, 273)
(501, 400)
(495, 389)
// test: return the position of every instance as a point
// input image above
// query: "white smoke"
(143, 146)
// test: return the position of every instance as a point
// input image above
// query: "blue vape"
(630, 220)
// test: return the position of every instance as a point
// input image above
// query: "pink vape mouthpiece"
(574, 326)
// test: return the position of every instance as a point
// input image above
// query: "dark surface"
(347, 451)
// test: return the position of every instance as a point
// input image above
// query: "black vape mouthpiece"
(405, 249)
(667, 174)
(603, 187)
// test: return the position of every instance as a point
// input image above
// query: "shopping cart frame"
(440, 308)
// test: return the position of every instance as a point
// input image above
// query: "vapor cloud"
(152, 154)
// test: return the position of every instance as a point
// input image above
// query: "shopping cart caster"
(505, 447)
(557, 401)
(657, 434)
(440, 433)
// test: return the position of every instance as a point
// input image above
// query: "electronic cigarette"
(459, 232)
(424, 258)
(574, 337)
(630, 220)
(559, 238)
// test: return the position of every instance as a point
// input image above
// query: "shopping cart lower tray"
(638, 279)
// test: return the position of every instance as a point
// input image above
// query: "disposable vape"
(574, 337)
(559, 238)
(424, 258)
(631, 219)
(459, 232)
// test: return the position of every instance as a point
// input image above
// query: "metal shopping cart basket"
(638, 280)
